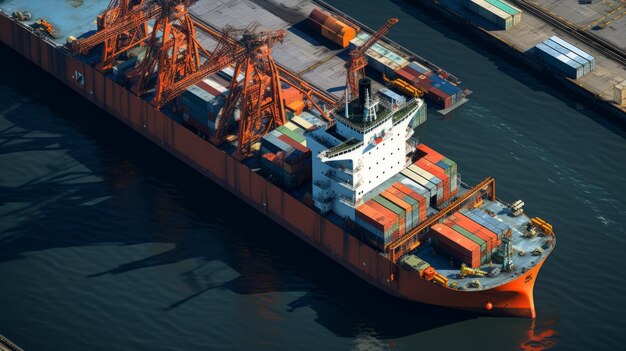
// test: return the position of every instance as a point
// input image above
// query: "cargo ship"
(345, 172)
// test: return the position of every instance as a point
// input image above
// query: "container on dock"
(456, 245)
(498, 12)
(578, 51)
(380, 56)
(331, 28)
(586, 64)
(560, 62)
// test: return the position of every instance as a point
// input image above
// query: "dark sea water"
(109, 243)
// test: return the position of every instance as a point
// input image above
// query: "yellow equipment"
(403, 86)
(466, 271)
(543, 225)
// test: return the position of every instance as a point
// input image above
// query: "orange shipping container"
(331, 28)
(475, 228)
(296, 106)
(457, 245)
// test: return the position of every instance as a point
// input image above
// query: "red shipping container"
(439, 96)
(419, 198)
(209, 89)
(294, 144)
(456, 244)
(373, 217)
(412, 72)
(401, 73)
(473, 227)
(431, 155)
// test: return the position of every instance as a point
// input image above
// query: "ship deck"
(523, 260)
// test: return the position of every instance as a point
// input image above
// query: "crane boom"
(146, 12)
(355, 66)
(382, 31)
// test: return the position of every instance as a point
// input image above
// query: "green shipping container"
(390, 206)
(481, 243)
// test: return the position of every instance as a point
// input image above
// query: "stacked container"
(418, 202)
(486, 221)
(285, 157)
(456, 245)
(444, 195)
(380, 57)
(565, 57)
(490, 237)
(449, 167)
(437, 90)
(425, 180)
(330, 27)
(202, 104)
(398, 210)
(377, 223)
(498, 12)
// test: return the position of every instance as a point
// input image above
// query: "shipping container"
(404, 74)
(331, 28)
(420, 68)
(406, 207)
(558, 61)
(576, 50)
(455, 244)
(395, 209)
(485, 255)
(498, 12)
(419, 180)
(490, 237)
(417, 193)
(304, 124)
(570, 54)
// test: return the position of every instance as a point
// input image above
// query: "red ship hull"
(514, 298)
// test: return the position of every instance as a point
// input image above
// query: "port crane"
(122, 26)
(355, 66)
(258, 95)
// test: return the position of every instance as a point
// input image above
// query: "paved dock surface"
(532, 30)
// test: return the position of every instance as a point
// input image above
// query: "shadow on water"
(522, 73)
(183, 212)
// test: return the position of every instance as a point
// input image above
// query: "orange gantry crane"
(123, 25)
(173, 52)
(355, 66)
(258, 95)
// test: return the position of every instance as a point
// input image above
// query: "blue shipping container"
(562, 63)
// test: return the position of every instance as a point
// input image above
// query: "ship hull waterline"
(514, 298)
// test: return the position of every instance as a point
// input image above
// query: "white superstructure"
(358, 152)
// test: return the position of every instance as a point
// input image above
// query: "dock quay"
(598, 28)
(8, 345)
